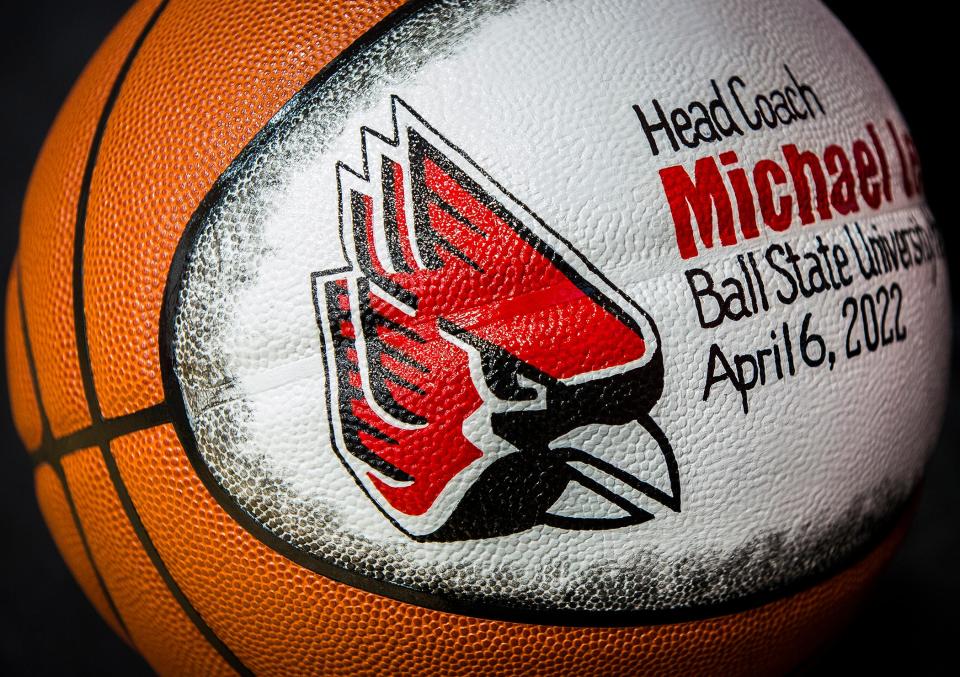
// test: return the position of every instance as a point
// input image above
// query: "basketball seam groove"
(95, 435)
(46, 442)
(74, 513)
(86, 369)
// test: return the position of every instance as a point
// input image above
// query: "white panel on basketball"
(539, 96)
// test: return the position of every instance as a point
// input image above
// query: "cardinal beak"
(619, 475)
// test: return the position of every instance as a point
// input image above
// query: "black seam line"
(62, 478)
(151, 550)
(83, 354)
(46, 441)
(79, 311)
(108, 429)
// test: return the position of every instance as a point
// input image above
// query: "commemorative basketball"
(475, 337)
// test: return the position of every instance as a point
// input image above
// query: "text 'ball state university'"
(477, 337)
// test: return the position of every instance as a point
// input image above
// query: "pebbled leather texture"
(447, 372)
(531, 105)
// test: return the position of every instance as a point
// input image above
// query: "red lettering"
(804, 186)
(866, 170)
(765, 174)
(703, 195)
(799, 163)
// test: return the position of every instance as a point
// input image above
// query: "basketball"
(477, 337)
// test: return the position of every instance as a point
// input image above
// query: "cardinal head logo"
(483, 377)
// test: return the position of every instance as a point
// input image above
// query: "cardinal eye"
(511, 379)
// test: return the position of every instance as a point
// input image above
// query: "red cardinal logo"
(464, 340)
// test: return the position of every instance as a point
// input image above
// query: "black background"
(46, 625)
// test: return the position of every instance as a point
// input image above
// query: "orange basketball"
(499, 337)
